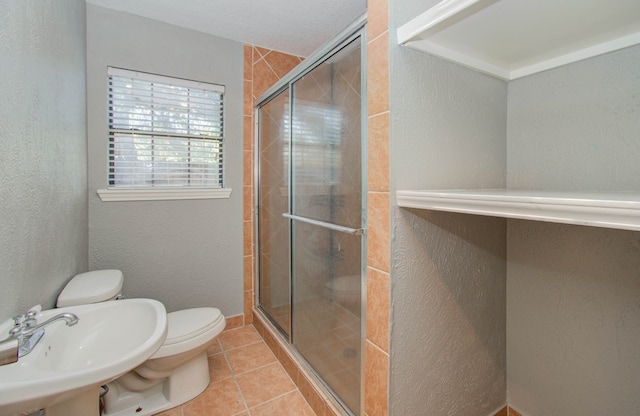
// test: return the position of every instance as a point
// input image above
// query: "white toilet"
(176, 373)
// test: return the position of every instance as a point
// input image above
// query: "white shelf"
(510, 39)
(609, 210)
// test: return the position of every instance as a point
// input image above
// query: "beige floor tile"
(250, 357)
(176, 411)
(263, 384)
(240, 337)
(290, 404)
(214, 348)
(245, 373)
(220, 399)
(218, 368)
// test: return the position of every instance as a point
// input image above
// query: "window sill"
(146, 194)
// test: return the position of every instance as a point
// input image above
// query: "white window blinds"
(164, 132)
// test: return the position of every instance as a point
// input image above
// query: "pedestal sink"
(65, 370)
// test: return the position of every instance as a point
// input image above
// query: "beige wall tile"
(377, 17)
(248, 307)
(234, 322)
(247, 178)
(263, 77)
(248, 237)
(248, 272)
(247, 201)
(260, 53)
(376, 381)
(248, 98)
(289, 366)
(378, 255)
(282, 63)
(248, 62)
(378, 74)
(311, 396)
(248, 132)
(378, 308)
(378, 152)
(266, 68)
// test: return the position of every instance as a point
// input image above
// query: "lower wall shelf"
(619, 210)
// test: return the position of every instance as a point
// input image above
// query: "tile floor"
(246, 380)
(331, 344)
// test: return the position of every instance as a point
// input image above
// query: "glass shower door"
(273, 194)
(327, 221)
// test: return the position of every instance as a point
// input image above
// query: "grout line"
(233, 376)
(386, 31)
(378, 270)
(377, 347)
(242, 346)
(277, 397)
(242, 394)
(256, 368)
(369, 116)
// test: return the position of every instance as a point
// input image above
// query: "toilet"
(346, 291)
(173, 375)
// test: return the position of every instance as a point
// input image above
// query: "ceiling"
(296, 27)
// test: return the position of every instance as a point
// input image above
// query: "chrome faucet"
(28, 332)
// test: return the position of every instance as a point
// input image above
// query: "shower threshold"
(318, 394)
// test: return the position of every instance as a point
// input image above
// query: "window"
(164, 132)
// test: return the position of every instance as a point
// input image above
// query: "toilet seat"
(189, 328)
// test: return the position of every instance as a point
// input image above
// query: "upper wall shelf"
(609, 210)
(510, 39)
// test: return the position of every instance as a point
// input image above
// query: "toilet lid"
(189, 323)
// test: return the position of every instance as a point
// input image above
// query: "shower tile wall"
(262, 69)
(378, 204)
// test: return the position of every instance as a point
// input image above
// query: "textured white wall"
(43, 200)
(183, 253)
(573, 309)
(573, 320)
(448, 288)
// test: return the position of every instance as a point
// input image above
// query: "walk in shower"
(310, 208)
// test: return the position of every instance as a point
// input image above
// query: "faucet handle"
(15, 331)
(31, 320)
(17, 320)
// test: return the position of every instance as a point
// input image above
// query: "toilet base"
(83, 404)
(184, 384)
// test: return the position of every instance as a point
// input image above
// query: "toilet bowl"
(176, 373)
(345, 290)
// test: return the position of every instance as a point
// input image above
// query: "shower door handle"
(348, 230)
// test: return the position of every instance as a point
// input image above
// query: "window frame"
(164, 192)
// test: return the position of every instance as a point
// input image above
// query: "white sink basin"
(109, 339)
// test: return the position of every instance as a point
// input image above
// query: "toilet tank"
(92, 287)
